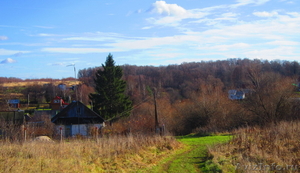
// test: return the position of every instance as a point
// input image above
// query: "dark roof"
(69, 116)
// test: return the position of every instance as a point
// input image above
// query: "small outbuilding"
(14, 103)
(77, 119)
(58, 103)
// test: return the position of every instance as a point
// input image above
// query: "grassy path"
(193, 157)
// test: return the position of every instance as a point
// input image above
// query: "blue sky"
(39, 39)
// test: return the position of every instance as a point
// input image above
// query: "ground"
(193, 157)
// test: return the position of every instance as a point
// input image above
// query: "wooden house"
(77, 119)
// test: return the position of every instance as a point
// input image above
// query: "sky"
(41, 39)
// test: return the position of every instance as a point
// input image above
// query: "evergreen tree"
(110, 100)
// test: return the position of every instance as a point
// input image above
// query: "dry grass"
(30, 83)
(113, 154)
(272, 148)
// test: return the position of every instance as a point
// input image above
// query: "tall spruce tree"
(110, 100)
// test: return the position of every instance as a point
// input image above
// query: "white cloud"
(270, 29)
(166, 55)
(139, 11)
(294, 14)
(213, 21)
(46, 35)
(88, 38)
(282, 52)
(247, 2)
(45, 27)
(95, 36)
(161, 7)
(265, 14)
(18, 54)
(174, 13)
(153, 42)
(227, 47)
(252, 38)
(225, 39)
(57, 64)
(3, 37)
(288, 2)
(79, 50)
(12, 52)
(8, 61)
(147, 27)
(283, 42)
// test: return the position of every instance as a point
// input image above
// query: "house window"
(56, 101)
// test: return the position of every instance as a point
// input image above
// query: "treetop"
(109, 61)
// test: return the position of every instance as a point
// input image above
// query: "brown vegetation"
(15, 82)
(113, 154)
(273, 147)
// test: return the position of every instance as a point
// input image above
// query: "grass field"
(193, 157)
(113, 154)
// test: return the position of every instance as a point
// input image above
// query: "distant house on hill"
(76, 119)
(58, 103)
(62, 86)
(236, 94)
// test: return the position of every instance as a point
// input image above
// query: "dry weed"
(273, 148)
(113, 154)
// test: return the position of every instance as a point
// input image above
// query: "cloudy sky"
(39, 39)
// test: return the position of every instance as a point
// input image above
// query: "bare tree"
(269, 99)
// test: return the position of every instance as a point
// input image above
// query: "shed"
(14, 103)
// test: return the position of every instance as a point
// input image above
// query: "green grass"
(193, 157)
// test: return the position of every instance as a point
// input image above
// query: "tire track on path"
(192, 157)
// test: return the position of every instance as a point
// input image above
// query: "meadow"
(108, 154)
(272, 148)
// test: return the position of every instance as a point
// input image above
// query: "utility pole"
(28, 101)
(75, 87)
(155, 111)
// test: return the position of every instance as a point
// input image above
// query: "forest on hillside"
(193, 97)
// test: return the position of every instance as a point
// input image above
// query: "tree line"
(181, 80)
(194, 96)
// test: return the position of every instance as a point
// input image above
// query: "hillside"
(35, 92)
(30, 83)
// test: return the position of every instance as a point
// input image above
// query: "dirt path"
(192, 158)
